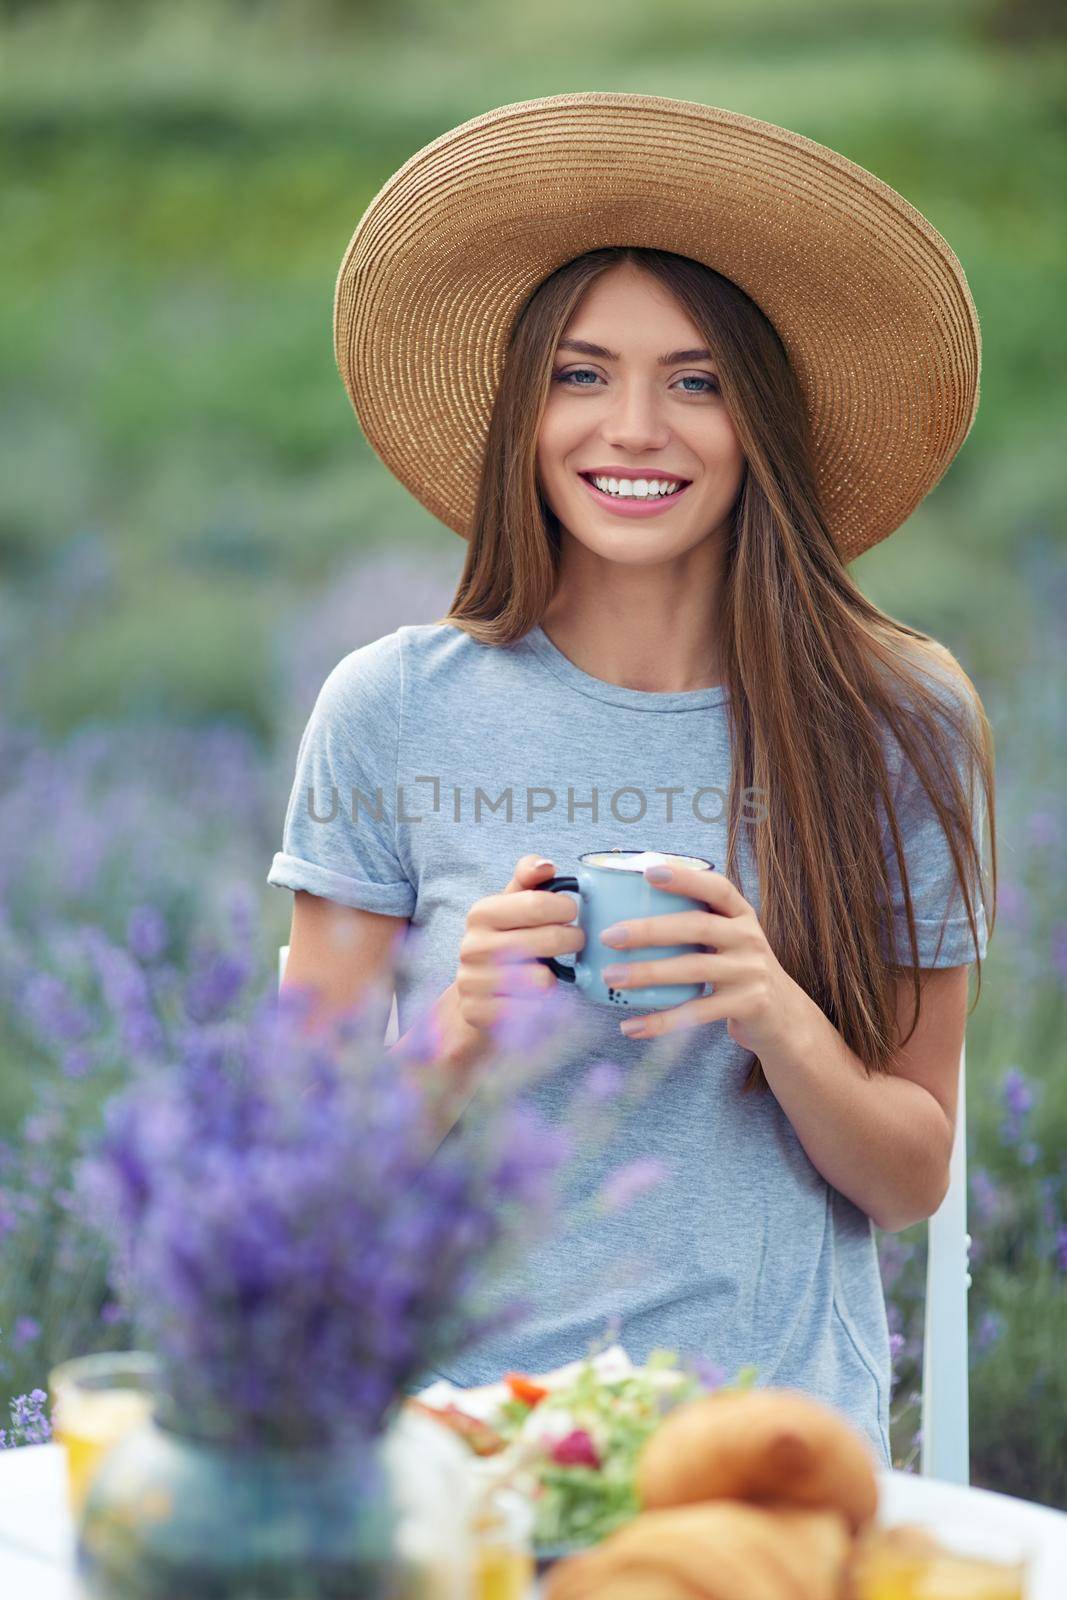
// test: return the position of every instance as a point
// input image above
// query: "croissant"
(721, 1550)
(766, 1446)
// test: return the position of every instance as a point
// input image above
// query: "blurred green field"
(180, 185)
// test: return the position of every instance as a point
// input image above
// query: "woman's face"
(622, 406)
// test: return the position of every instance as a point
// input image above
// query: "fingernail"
(539, 865)
(616, 934)
(614, 971)
(658, 874)
(632, 1025)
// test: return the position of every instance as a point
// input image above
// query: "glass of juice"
(943, 1560)
(96, 1401)
(502, 1530)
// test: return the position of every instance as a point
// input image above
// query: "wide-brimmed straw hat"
(868, 299)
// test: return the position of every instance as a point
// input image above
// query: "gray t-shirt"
(484, 753)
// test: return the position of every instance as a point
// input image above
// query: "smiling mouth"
(628, 499)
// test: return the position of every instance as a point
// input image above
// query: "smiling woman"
(663, 454)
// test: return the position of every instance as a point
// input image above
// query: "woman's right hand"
(504, 935)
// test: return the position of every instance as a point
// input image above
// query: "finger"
(529, 870)
(527, 908)
(522, 944)
(692, 968)
(702, 884)
(672, 927)
(709, 1008)
(512, 978)
(489, 1011)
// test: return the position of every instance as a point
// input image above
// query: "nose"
(634, 422)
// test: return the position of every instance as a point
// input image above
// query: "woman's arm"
(337, 950)
(884, 1141)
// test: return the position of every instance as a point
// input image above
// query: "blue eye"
(712, 386)
(562, 377)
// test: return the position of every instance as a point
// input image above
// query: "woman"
(695, 673)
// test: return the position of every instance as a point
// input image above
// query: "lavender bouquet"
(290, 1232)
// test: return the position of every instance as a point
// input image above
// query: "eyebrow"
(674, 359)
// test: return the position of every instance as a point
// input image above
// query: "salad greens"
(591, 1433)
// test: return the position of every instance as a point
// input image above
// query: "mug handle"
(554, 885)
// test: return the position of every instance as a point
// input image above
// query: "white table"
(36, 1543)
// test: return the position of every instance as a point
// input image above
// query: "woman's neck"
(640, 630)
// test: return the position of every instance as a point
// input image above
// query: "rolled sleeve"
(339, 835)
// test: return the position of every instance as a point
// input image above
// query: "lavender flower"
(146, 933)
(985, 1196)
(631, 1180)
(290, 1238)
(990, 1327)
(29, 1424)
(1017, 1096)
(708, 1373)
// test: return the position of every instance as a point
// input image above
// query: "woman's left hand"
(754, 995)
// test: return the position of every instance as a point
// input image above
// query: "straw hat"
(870, 302)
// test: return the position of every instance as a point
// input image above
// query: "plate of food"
(639, 1475)
(569, 1439)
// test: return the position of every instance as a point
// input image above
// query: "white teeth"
(641, 488)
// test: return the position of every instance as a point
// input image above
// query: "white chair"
(946, 1442)
(945, 1449)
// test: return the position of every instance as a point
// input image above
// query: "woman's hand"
(754, 995)
(504, 935)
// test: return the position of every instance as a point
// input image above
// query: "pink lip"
(633, 507)
(631, 472)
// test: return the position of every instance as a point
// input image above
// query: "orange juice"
(501, 1574)
(501, 1526)
(97, 1400)
(88, 1427)
(910, 1563)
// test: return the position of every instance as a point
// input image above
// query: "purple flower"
(215, 983)
(55, 1013)
(1017, 1096)
(709, 1374)
(1049, 1207)
(603, 1083)
(990, 1327)
(1016, 1092)
(25, 1331)
(1061, 1248)
(288, 1235)
(146, 933)
(77, 1062)
(631, 1180)
(1058, 942)
(529, 1022)
(29, 1424)
(985, 1196)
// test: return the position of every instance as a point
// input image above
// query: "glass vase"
(169, 1514)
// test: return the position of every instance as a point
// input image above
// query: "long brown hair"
(813, 669)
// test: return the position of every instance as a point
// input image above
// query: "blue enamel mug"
(611, 887)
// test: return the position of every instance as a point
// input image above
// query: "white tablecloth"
(36, 1543)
